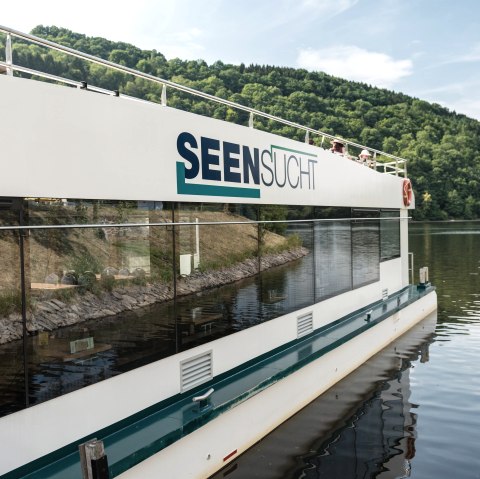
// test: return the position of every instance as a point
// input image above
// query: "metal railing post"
(412, 271)
(250, 120)
(307, 137)
(8, 54)
(164, 95)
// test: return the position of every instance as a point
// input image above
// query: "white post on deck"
(164, 95)
(8, 54)
(196, 256)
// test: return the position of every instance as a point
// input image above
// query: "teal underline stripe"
(210, 190)
(292, 151)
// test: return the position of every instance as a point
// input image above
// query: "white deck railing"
(396, 165)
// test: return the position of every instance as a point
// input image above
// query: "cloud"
(460, 87)
(26, 14)
(185, 44)
(327, 7)
(151, 24)
(277, 14)
(472, 56)
(467, 106)
(354, 63)
(460, 96)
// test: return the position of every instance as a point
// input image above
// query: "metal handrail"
(75, 83)
(203, 397)
(190, 223)
(411, 267)
(177, 86)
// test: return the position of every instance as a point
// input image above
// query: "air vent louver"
(195, 371)
(304, 324)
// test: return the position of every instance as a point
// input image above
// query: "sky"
(429, 49)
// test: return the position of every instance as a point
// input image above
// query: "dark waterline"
(411, 411)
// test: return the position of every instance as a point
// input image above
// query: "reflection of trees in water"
(362, 427)
(378, 438)
(333, 258)
(452, 253)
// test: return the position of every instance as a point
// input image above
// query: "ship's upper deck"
(114, 140)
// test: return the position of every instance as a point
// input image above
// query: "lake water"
(413, 410)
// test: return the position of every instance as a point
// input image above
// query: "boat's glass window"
(79, 274)
(365, 247)
(301, 213)
(12, 371)
(211, 302)
(389, 234)
(194, 282)
(333, 258)
(331, 212)
(286, 265)
(57, 211)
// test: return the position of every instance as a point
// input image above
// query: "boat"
(176, 286)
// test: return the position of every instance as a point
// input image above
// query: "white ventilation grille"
(195, 371)
(304, 324)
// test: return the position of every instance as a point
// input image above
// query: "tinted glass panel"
(333, 258)
(104, 300)
(389, 234)
(91, 289)
(12, 371)
(365, 247)
(218, 263)
(287, 268)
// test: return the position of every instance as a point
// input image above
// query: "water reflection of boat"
(364, 426)
(215, 367)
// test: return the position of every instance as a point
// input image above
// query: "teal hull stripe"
(210, 190)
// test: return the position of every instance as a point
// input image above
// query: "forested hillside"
(443, 148)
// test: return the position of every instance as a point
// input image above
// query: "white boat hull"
(206, 450)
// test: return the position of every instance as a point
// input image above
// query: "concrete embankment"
(52, 314)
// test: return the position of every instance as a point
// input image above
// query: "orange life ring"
(407, 192)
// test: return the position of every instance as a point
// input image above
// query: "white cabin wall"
(391, 275)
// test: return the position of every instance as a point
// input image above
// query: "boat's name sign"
(213, 167)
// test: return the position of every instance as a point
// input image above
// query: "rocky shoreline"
(53, 314)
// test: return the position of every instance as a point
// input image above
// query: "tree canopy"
(443, 147)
